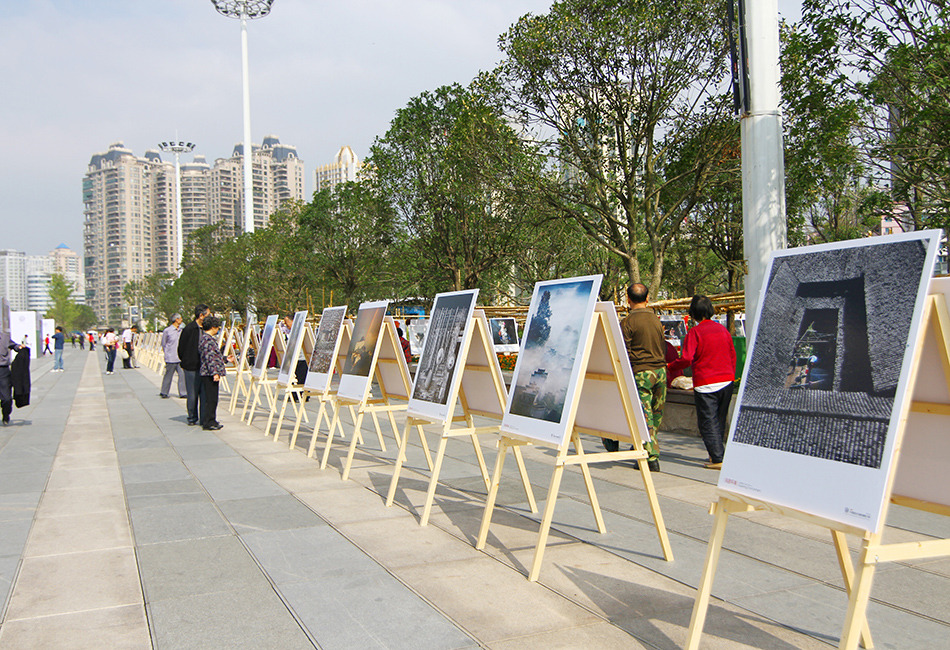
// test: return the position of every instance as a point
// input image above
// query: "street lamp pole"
(178, 148)
(245, 9)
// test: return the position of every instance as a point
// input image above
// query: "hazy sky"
(78, 75)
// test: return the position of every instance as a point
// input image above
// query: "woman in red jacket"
(708, 348)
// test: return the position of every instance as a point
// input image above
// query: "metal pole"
(248, 181)
(180, 239)
(763, 167)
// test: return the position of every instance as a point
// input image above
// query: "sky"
(79, 75)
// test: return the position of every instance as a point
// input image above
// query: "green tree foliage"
(85, 318)
(453, 169)
(63, 308)
(352, 234)
(613, 89)
(891, 60)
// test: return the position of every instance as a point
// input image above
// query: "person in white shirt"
(128, 336)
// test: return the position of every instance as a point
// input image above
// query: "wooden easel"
(242, 371)
(288, 379)
(259, 375)
(318, 384)
(479, 390)
(927, 395)
(227, 350)
(605, 399)
(391, 372)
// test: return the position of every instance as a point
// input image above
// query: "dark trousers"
(127, 362)
(711, 412)
(6, 392)
(110, 359)
(209, 401)
(195, 388)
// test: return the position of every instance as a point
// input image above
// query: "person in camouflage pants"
(651, 386)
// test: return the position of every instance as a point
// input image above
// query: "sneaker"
(652, 463)
(163, 395)
(610, 444)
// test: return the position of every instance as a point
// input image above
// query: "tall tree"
(452, 168)
(612, 89)
(63, 308)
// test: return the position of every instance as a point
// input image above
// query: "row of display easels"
(918, 478)
(249, 340)
(391, 374)
(479, 391)
(605, 405)
(259, 377)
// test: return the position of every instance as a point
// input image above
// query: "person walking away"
(646, 349)
(709, 349)
(82, 341)
(92, 342)
(188, 354)
(211, 370)
(169, 342)
(128, 335)
(46, 349)
(110, 342)
(72, 339)
(59, 342)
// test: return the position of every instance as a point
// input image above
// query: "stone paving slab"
(238, 541)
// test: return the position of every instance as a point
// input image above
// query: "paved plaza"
(122, 527)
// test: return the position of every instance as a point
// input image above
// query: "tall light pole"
(245, 9)
(177, 147)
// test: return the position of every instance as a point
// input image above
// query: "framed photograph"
(438, 371)
(288, 365)
(263, 353)
(547, 373)
(829, 362)
(320, 369)
(359, 356)
(504, 334)
(416, 329)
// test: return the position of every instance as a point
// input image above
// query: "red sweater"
(708, 348)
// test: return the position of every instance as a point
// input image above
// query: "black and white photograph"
(504, 334)
(448, 323)
(325, 346)
(545, 376)
(294, 342)
(416, 329)
(267, 340)
(828, 363)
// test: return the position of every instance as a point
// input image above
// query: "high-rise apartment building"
(131, 225)
(13, 278)
(345, 167)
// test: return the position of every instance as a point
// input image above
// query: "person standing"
(211, 370)
(709, 349)
(169, 342)
(7, 346)
(189, 360)
(82, 341)
(646, 348)
(109, 343)
(128, 336)
(92, 342)
(59, 342)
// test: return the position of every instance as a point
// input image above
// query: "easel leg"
(397, 468)
(650, 489)
(357, 433)
(855, 622)
(349, 456)
(316, 429)
(547, 518)
(270, 418)
(293, 436)
(326, 448)
(847, 572)
(698, 619)
(589, 484)
(480, 457)
(392, 424)
(433, 481)
(525, 481)
(492, 494)
(379, 431)
(425, 445)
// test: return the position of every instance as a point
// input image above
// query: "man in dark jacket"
(188, 353)
(6, 379)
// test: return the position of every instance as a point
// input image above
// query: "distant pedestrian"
(169, 342)
(82, 341)
(109, 343)
(128, 338)
(211, 370)
(92, 342)
(72, 339)
(59, 342)
(46, 349)
(405, 345)
(708, 348)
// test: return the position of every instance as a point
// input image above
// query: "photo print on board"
(504, 334)
(560, 312)
(828, 350)
(321, 361)
(369, 321)
(450, 315)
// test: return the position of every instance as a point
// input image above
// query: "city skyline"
(321, 76)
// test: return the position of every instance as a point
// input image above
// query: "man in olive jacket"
(188, 353)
